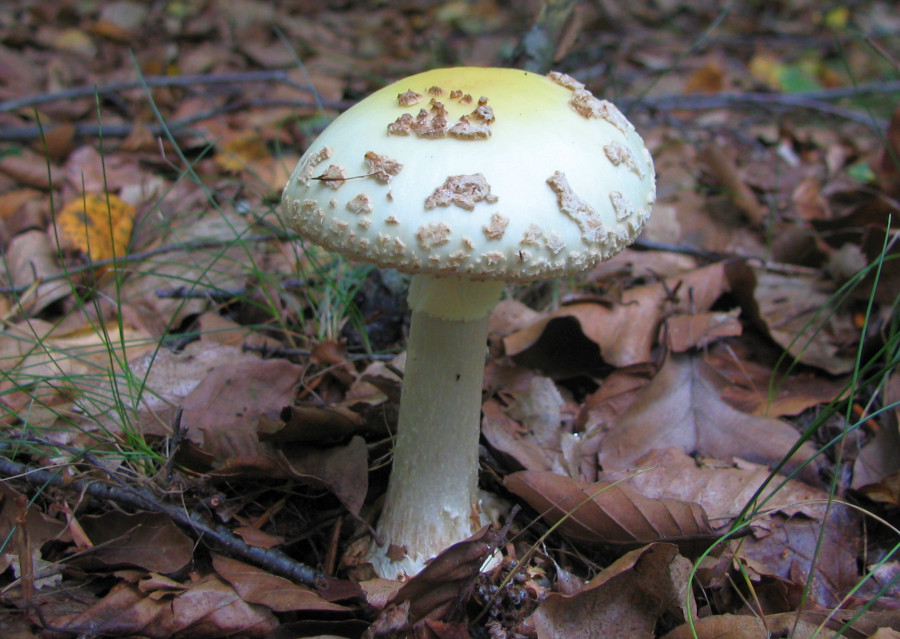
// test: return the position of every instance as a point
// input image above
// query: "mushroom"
(532, 178)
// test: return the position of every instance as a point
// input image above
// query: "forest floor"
(699, 437)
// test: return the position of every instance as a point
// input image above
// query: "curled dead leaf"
(608, 513)
(682, 406)
(626, 599)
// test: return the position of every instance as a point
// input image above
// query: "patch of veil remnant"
(623, 208)
(465, 191)
(312, 161)
(433, 123)
(621, 154)
(360, 205)
(409, 98)
(434, 234)
(584, 103)
(582, 213)
(496, 228)
(334, 176)
(381, 167)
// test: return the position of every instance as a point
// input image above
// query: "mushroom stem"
(432, 500)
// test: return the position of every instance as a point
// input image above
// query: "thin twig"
(25, 133)
(812, 101)
(137, 257)
(818, 101)
(272, 560)
(156, 81)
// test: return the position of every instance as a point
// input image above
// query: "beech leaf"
(608, 513)
(682, 407)
(630, 594)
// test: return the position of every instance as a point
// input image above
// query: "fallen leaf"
(97, 225)
(609, 513)
(241, 150)
(147, 540)
(29, 169)
(797, 310)
(625, 599)
(206, 607)
(722, 490)
(31, 257)
(698, 330)
(625, 330)
(256, 586)
(757, 389)
(725, 169)
(539, 408)
(222, 411)
(432, 593)
(682, 407)
(507, 436)
(748, 627)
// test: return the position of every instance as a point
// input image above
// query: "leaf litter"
(163, 336)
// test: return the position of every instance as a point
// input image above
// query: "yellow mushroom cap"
(482, 173)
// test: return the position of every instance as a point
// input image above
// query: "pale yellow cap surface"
(477, 172)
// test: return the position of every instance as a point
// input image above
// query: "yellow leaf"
(837, 18)
(97, 225)
(241, 151)
(766, 68)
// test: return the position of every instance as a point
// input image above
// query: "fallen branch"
(818, 101)
(142, 255)
(156, 81)
(272, 560)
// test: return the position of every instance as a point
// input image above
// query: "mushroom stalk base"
(432, 500)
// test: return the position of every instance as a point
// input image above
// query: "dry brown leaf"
(222, 411)
(343, 470)
(748, 627)
(146, 540)
(314, 425)
(256, 586)
(206, 607)
(710, 78)
(29, 169)
(39, 527)
(217, 268)
(507, 437)
(625, 600)
(682, 407)
(756, 389)
(609, 513)
(698, 330)
(624, 330)
(539, 408)
(724, 168)
(432, 593)
(796, 310)
(68, 358)
(880, 457)
(12, 201)
(722, 490)
(31, 257)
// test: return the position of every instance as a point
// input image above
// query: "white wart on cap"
(483, 173)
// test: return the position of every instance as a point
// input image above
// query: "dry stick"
(813, 101)
(137, 257)
(26, 133)
(189, 81)
(272, 560)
